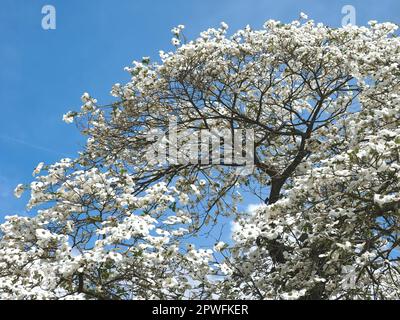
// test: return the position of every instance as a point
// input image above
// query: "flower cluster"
(324, 105)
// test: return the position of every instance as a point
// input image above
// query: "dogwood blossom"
(19, 189)
(324, 106)
(38, 168)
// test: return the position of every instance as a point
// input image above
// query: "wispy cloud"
(30, 145)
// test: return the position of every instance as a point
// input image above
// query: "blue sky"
(43, 73)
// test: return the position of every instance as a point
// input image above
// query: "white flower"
(170, 282)
(220, 246)
(224, 26)
(117, 257)
(195, 189)
(184, 198)
(226, 269)
(43, 234)
(175, 42)
(38, 169)
(19, 190)
(293, 295)
(303, 16)
(177, 30)
(85, 97)
(68, 117)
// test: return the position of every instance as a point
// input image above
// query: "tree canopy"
(324, 107)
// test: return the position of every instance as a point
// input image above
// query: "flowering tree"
(324, 106)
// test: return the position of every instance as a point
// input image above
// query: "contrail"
(30, 145)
